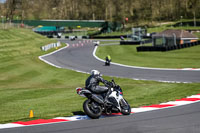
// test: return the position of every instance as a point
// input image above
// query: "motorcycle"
(107, 63)
(94, 106)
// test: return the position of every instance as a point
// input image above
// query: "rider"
(108, 59)
(92, 83)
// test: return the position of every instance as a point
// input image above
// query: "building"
(172, 37)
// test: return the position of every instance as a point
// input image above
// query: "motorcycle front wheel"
(126, 109)
(92, 111)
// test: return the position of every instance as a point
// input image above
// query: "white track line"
(184, 69)
(134, 110)
(40, 57)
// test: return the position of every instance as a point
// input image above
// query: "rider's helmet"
(95, 73)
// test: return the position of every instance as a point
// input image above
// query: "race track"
(79, 56)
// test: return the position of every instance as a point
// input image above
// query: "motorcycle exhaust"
(97, 99)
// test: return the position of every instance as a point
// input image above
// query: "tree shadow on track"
(78, 113)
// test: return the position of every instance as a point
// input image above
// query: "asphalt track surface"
(181, 119)
(79, 56)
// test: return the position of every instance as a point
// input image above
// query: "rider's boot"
(106, 101)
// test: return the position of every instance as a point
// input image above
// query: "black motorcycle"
(107, 63)
(94, 106)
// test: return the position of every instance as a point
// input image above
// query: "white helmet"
(95, 72)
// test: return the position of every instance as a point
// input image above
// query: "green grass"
(26, 83)
(109, 42)
(150, 30)
(165, 27)
(127, 54)
(116, 33)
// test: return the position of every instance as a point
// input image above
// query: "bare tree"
(111, 10)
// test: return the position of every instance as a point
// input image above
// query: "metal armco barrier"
(49, 46)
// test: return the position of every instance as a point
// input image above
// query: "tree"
(110, 10)
(193, 7)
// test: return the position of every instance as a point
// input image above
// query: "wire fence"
(9, 25)
(165, 40)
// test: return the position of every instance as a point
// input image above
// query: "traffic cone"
(31, 114)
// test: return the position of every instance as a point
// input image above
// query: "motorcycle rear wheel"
(92, 112)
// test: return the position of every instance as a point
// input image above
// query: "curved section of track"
(79, 56)
(182, 119)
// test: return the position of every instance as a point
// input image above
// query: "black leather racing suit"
(92, 83)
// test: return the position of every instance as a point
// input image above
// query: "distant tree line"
(110, 10)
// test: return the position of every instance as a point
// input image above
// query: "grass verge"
(127, 54)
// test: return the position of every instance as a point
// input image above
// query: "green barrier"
(63, 23)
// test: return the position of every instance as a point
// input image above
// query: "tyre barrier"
(130, 42)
